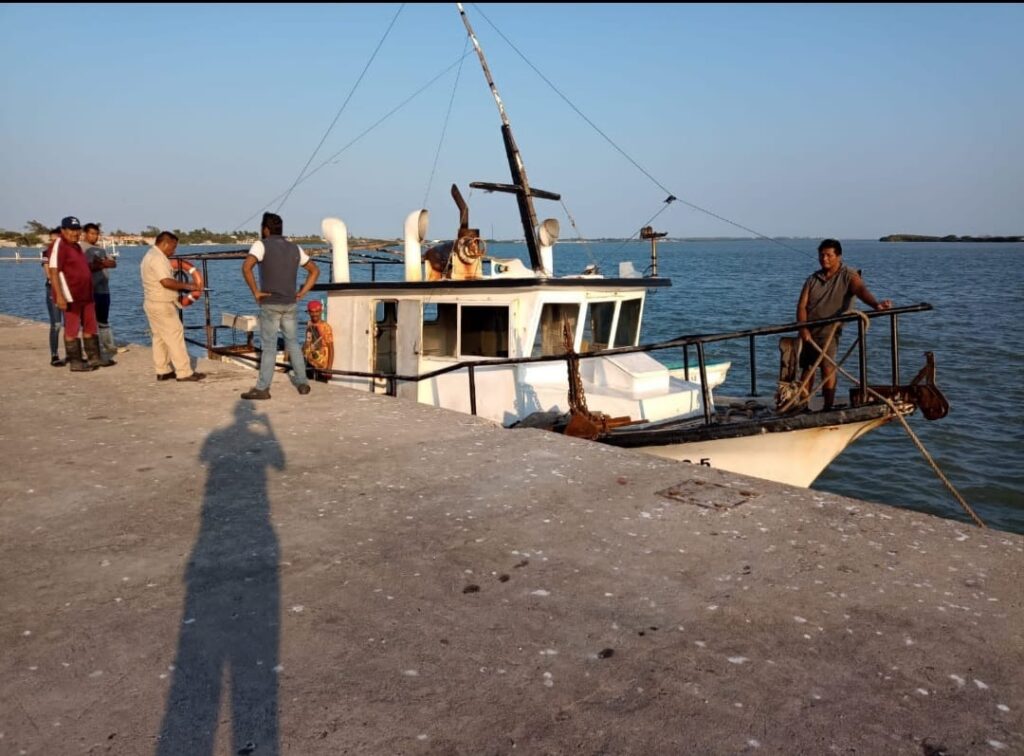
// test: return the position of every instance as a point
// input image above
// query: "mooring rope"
(809, 388)
(892, 406)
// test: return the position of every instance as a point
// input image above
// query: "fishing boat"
(510, 341)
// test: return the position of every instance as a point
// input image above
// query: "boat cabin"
(501, 311)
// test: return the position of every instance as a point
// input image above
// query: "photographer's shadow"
(231, 621)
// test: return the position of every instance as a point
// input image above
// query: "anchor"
(921, 391)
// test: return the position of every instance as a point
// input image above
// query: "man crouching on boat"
(279, 260)
(828, 293)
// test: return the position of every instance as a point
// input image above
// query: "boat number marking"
(705, 461)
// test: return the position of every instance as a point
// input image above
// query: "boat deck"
(377, 576)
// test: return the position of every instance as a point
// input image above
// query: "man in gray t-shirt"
(827, 293)
(279, 260)
(100, 263)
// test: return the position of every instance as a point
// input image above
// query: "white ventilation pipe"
(548, 234)
(415, 234)
(336, 234)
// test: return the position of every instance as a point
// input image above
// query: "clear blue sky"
(806, 120)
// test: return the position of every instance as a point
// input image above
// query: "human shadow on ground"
(230, 625)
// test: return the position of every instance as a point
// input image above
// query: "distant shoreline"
(949, 238)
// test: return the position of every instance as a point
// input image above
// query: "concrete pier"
(184, 572)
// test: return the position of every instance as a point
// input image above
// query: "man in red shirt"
(71, 284)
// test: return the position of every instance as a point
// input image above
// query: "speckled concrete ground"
(183, 572)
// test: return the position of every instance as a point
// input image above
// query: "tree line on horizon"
(38, 233)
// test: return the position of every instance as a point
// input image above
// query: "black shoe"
(255, 393)
(166, 376)
(191, 378)
(303, 388)
(57, 361)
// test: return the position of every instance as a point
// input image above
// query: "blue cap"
(71, 222)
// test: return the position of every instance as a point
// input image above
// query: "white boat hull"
(795, 457)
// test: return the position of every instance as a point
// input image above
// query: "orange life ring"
(192, 272)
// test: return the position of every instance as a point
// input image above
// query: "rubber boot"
(73, 347)
(92, 351)
(107, 341)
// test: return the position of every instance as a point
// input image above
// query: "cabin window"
(549, 340)
(439, 329)
(597, 328)
(628, 329)
(484, 331)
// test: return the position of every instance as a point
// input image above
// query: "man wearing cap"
(71, 284)
(160, 292)
(319, 346)
(279, 260)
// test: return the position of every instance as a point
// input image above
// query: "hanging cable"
(342, 108)
(377, 123)
(444, 129)
(649, 221)
(579, 235)
(622, 152)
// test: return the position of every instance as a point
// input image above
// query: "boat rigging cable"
(343, 106)
(671, 195)
(365, 131)
(444, 128)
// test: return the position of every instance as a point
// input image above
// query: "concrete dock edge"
(186, 572)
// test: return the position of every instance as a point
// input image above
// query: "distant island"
(949, 238)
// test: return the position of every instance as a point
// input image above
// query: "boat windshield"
(597, 327)
(550, 340)
(627, 332)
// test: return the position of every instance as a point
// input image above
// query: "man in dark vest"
(279, 260)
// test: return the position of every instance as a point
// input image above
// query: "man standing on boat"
(828, 293)
(279, 260)
(318, 348)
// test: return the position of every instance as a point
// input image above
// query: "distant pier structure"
(23, 256)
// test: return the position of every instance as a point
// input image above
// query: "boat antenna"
(520, 185)
(648, 232)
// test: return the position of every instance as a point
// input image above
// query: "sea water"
(977, 291)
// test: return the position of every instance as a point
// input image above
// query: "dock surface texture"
(184, 572)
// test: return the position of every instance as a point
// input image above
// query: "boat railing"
(696, 342)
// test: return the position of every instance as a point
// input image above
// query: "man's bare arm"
(312, 274)
(858, 287)
(250, 279)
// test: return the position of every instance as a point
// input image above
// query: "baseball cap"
(314, 304)
(71, 222)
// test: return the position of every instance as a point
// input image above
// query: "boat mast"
(520, 186)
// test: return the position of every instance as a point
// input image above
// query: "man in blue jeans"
(56, 316)
(279, 260)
